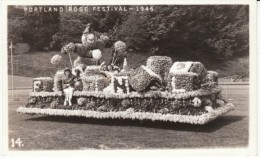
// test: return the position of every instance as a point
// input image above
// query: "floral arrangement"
(45, 94)
(37, 86)
(182, 106)
(190, 106)
(58, 81)
(120, 84)
(93, 71)
(56, 59)
(81, 101)
(69, 48)
(54, 104)
(199, 68)
(94, 83)
(44, 84)
(143, 78)
(196, 102)
(212, 76)
(187, 81)
(96, 54)
(209, 85)
(159, 65)
(93, 67)
(104, 38)
(148, 94)
(195, 67)
(120, 46)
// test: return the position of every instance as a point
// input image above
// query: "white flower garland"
(45, 94)
(130, 114)
(93, 67)
(43, 78)
(108, 93)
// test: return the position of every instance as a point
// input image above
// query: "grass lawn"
(20, 81)
(40, 132)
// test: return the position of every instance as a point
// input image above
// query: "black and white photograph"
(130, 77)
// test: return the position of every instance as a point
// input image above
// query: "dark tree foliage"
(17, 25)
(43, 25)
(34, 28)
(72, 25)
(216, 31)
(211, 34)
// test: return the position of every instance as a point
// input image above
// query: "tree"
(238, 67)
(17, 25)
(214, 31)
(42, 26)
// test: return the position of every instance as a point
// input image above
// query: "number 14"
(16, 142)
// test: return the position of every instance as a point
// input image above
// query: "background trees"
(212, 34)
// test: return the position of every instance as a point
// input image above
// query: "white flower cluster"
(178, 90)
(104, 38)
(56, 59)
(208, 108)
(69, 48)
(96, 54)
(92, 67)
(130, 114)
(45, 94)
(196, 102)
(81, 101)
(36, 86)
(120, 46)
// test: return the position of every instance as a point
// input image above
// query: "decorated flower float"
(160, 90)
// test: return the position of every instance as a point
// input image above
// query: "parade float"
(159, 90)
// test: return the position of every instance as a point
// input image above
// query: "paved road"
(50, 132)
